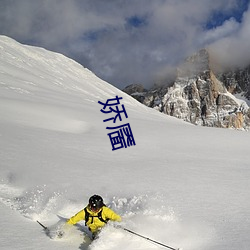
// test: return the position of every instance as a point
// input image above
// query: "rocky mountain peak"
(200, 96)
(196, 64)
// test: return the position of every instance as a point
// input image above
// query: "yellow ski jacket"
(94, 223)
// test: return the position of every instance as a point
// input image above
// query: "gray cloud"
(123, 42)
(233, 49)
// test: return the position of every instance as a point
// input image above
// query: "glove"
(60, 234)
(62, 229)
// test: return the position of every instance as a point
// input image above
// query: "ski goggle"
(94, 208)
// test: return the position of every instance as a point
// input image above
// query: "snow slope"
(182, 185)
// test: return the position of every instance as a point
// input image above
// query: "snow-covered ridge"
(34, 66)
(33, 74)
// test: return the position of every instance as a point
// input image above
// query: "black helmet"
(96, 202)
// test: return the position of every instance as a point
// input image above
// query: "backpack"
(88, 216)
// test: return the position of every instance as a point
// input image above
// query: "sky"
(132, 41)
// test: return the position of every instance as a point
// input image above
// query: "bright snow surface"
(182, 185)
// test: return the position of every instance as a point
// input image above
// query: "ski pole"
(146, 238)
(45, 228)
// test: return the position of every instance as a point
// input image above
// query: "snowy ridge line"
(40, 73)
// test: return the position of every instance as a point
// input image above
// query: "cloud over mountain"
(129, 41)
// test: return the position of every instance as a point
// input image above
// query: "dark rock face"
(237, 81)
(201, 97)
(137, 91)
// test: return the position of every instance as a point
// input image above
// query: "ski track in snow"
(43, 117)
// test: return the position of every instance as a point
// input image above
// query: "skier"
(95, 214)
